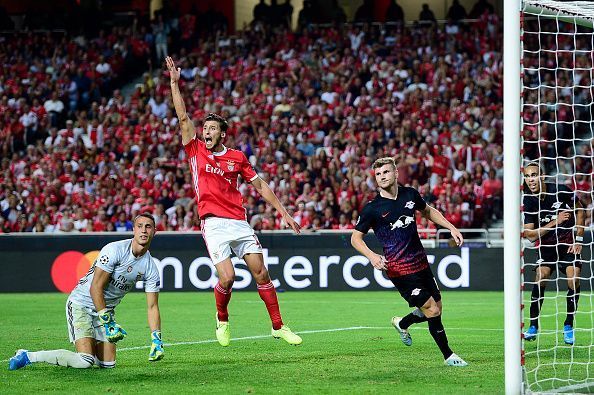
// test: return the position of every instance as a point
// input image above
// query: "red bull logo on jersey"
(402, 222)
(214, 170)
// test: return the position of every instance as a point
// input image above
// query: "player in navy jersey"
(391, 215)
(551, 212)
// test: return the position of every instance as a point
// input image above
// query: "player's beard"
(216, 143)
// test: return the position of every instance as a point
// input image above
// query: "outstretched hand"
(292, 223)
(174, 72)
(457, 237)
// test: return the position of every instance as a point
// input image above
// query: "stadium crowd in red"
(311, 110)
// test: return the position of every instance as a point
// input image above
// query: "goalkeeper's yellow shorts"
(83, 323)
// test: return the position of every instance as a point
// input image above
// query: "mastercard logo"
(69, 267)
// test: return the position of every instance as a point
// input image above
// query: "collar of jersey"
(394, 198)
(223, 152)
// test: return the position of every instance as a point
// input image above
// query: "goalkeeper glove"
(113, 331)
(157, 352)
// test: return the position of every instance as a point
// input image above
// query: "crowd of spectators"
(311, 109)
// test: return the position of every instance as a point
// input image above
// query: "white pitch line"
(350, 328)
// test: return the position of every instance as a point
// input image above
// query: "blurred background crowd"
(311, 107)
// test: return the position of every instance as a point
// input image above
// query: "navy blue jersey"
(542, 208)
(393, 222)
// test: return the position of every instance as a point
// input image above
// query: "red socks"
(268, 295)
(222, 297)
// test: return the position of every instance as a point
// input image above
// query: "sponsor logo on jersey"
(402, 222)
(384, 215)
(410, 204)
(548, 218)
(215, 170)
(415, 292)
(139, 277)
(556, 205)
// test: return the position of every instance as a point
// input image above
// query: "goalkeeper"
(90, 307)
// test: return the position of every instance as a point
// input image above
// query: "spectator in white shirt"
(54, 108)
(158, 106)
(103, 67)
(53, 140)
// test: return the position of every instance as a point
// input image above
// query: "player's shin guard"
(63, 358)
(268, 295)
(536, 300)
(573, 296)
(414, 317)
(222, 298)
(438, 332)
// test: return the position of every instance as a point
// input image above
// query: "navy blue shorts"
(417, 288)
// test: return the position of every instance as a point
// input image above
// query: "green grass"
(550, 363)
(371, 360)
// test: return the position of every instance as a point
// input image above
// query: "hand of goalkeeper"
(157, 352)
(114, 332)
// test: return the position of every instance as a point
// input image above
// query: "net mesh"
(557, 131)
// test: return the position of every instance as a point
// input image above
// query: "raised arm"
(187, 127)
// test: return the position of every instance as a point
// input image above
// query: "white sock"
(106, 364)
(63, 358)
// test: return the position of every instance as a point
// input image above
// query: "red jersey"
(214, 176)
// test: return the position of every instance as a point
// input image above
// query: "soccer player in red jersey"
(215, 171)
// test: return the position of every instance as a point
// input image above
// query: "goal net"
(557, 114)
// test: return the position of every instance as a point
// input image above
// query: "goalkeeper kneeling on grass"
(90, 307)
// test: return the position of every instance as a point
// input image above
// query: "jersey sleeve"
(107, 258)
(152, 280)
(193, 145)
(365, 220)
(246, 170)
(420, 203)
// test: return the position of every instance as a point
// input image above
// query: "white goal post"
(552, 25)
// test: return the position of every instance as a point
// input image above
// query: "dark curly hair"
(223, 124)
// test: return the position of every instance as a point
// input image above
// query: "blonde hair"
(384, 161)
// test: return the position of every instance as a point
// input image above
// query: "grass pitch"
(348, 346)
